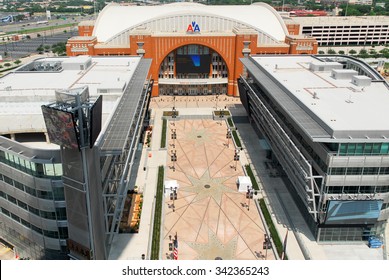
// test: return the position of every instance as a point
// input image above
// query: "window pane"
(384, 148)
(376, 148)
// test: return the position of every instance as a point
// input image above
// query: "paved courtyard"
(210, 217)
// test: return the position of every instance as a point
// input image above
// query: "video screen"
(353, 212)
(96, 112)
(60, 127)
(193, 63)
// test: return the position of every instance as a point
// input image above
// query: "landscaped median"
(157, 216)
(250, 173)
(163, 137)
(272, 229)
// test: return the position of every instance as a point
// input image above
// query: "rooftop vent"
(343, 74)
(321, 66)
(361, 81)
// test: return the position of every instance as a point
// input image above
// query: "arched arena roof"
(115, 20)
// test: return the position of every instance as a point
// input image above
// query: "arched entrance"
(193, 70)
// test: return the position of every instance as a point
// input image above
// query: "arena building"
(325, 120)
(195, 48)
(62, 180)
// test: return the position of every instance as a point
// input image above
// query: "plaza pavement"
(286, 217)
(210, 217)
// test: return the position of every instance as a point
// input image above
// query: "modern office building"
(343, 31)
(325, 119)
(65, 200)
(195, 48)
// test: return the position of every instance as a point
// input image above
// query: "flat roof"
(342, 108)
(347, 21)
(23, 92)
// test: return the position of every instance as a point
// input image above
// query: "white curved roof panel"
(115, 19)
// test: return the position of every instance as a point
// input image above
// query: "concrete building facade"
(325, 121)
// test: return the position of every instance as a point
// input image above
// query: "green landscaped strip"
(251, 175)
(157, 216)
(230, 123)
(224, 113)
(39, 29)
(170, 113)
(236, 138)
(163, 139)
(273, 232)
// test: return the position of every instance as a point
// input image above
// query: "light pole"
(236, 158)
(217, 98)
(228, 136)
(174, 158)
(173, 195)
(266, 244)
(174, 136)
(249, 196)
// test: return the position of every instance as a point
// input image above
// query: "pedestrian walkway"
(132, 246)
(210, 217)
(196, 203)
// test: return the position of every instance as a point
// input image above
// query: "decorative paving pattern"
(210, 222)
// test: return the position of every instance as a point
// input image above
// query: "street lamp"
(236, 158)
(173, 158)
(174, 136)
(249, 196)
(266, 244)
(228, 136)
(173, 195)
(217, 97)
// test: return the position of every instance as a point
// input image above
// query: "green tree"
(352, 52)
(340, 52)
(331, 51)
(321, 52)
(17, 62)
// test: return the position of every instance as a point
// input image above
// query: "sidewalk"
(132, 246)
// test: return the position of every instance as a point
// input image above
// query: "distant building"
(325, 119)
(344, 31)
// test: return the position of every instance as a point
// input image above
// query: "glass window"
(63, 232)
(384, 170)
(61, 213)
(351, 148)
(47, 215)
(30, 190)
(33, 210)
(376, 148)
(384, 148)
(359, 149)
(52, 234)
(36, 229)
(44, 194)
(22, 205)
(4, 211)
(19, 186)
(58, 193)
(354, 171)
(3, 195)
(370, 170)
(368, 148)
(15, 217)
(25, 223)
(11, 199)
(350, 189)
(8, 180)
(58, 169)
(49, 169)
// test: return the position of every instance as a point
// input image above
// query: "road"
(18, 49)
